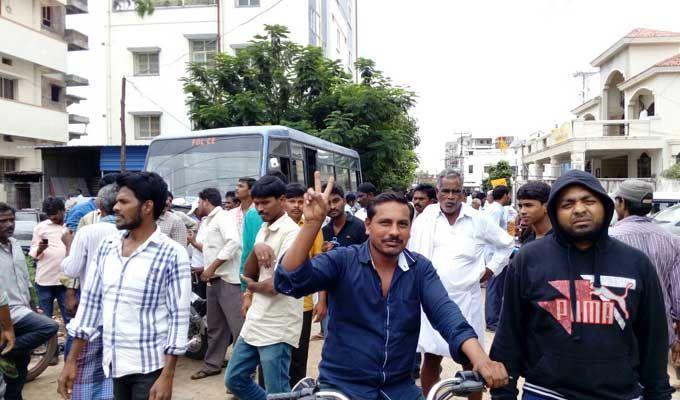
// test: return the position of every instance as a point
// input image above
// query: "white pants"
(470, 304)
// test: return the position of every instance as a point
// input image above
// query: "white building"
(632, 127)
(33, 80)
(473, 156)
(153, 52)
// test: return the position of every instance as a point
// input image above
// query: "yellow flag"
(498, 182)
(502, 145)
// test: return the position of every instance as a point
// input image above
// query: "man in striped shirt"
(633, 201)
(138, 291)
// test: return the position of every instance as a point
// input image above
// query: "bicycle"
(462, 384)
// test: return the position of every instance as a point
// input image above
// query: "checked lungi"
(90, 382)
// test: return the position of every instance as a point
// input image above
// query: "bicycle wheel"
(41, 357)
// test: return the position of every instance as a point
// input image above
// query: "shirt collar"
(277, 224)
(634, 218)
(214, 211)
(405, 258)
(465, 211)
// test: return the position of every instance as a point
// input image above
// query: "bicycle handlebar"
(307, 393)
(463, 384)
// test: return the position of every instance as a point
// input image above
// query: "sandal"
(204, 374)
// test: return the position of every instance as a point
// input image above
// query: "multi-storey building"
(473, 156)
(152, 54)
(631, 128)
(33, 98)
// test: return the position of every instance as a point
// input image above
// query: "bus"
(219, 157)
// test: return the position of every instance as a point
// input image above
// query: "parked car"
(26, 220)
(669, 219)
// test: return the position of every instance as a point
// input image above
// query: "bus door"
(310, 160)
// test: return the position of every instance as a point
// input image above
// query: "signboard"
(499, 182)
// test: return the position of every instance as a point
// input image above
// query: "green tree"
(501, 170)
(275, 81)
(143, 7)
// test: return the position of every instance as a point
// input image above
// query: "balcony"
(73, 99)
(76, 40)
(33, 122)
(76, 135)
(76, 7)
(32, 45)
(78, 119)
(75, 80)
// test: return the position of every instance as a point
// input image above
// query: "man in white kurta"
(453, 236)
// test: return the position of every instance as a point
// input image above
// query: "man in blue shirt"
(375, 294)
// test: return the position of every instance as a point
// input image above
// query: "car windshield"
(189, 165)
(671, 214)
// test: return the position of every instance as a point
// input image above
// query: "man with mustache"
(454, 237)
(376, 292)
(344, 229)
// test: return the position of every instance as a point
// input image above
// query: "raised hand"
(316, 202)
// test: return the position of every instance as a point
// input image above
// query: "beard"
(133, 224)
(587, 236)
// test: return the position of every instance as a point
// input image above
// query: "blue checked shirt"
(141, 302)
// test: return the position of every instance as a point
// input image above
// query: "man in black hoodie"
(583, 314)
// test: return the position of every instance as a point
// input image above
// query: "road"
(45, 386)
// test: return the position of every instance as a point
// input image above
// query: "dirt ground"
(45, 386)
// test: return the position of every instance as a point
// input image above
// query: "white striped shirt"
(141, 301)
(84, 248)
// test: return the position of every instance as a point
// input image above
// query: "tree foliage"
(501, 170)
(275, 81)
(672, 172)
(143, 7)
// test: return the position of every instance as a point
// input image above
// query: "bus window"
(342, 178)
(278, 147)
(326, 171)
(354, 180)
(296, 150)
(297, 173)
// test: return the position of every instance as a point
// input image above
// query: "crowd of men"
(580, 311)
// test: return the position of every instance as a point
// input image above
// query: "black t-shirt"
(354, 232)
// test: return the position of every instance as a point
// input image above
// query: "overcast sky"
(497, 68)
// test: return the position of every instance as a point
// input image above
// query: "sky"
(496, 67)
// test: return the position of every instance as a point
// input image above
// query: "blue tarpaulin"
(109, 158)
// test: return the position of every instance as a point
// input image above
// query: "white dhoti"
(470, 304)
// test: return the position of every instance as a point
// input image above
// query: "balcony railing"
(167, 3)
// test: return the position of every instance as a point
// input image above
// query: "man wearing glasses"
(453, 236)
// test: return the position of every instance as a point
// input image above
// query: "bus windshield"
(190, 165)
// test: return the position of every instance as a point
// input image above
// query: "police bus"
(219, 157)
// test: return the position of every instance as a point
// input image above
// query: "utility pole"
(122, 128)
(219, 27)
(584, 76)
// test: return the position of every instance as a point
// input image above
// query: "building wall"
(643, 56)
(168, 29)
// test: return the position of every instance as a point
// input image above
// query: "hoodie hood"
(584, 179)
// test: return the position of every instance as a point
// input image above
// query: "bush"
(672, 172)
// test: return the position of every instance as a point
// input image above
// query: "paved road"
(45, 386)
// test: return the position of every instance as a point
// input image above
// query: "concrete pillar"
(533, 171)
(578, 159)
(554, 167)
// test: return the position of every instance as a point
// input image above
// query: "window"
(47, 16)
(470, 168)
(146, 64)
(7, 165)
(203, 51)
(338, 40)
(644, 166)
(7, 61)
(8, 88)
(487, 168)
(147, 126)
(55, 93)
(247, 3)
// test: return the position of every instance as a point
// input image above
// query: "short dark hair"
(53, 205)
(4, 207)
(146, 186)
(500, 191)
(230, 193)
(368, 188)
(268, 186)
(429, 190)
(337, 189)
(294, 190)
(639, 209)
(279, 175)
(480, 195)
(170, 196)
(212, 196)
(108, 179)
(350, 197)
(387, 198)
(534, 190)
(248, 181)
